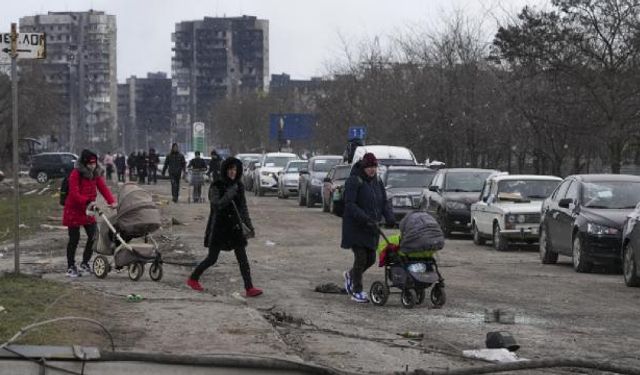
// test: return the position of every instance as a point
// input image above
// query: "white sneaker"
(73, 272)
(85, 268)
(360, 297)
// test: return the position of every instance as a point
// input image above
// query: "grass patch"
(34, 211)
(27, 300)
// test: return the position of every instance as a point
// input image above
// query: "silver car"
(288, 178)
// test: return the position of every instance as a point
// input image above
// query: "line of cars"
(591, 218)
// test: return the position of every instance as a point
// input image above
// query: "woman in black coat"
(365, 200)
(224, 230)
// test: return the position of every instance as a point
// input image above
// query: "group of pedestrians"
(143, 166)
(365, 206)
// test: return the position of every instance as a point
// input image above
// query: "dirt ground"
(558, 313)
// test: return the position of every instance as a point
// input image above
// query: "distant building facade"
(213, 58)
(81, 66)
(144, 113)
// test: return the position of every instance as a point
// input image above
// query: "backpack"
(64, 188)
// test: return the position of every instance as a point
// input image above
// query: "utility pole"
(14, 134)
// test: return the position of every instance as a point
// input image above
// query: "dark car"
(631, 248)
(405, 185)
(312, 179)
(332, 198)
(583, 219)
(451, 194)
(49, 165)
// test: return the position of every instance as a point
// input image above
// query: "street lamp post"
(280, 133)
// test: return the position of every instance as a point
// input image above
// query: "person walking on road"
(224, 227)
(154, 160)
(142, 166)
(85, 181)
(132, 164)
(365, 206)
(109, 166)
(214, 166)
(121, 166)
(176, 164)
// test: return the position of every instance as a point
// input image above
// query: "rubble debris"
(330, 288)
(175, 221)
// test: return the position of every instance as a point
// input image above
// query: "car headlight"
(456, 205)
(417, 268)
(316, 181)
(401, 201)
(515, 218)
(598, 229)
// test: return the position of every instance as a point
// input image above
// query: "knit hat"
(369, 160)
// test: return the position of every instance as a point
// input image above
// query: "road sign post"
(23, 46)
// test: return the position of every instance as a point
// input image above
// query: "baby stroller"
(409, 262)
(136, 218)
(196, 180)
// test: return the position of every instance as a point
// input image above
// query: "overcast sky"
(304, 34)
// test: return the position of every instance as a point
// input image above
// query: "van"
(387, 155)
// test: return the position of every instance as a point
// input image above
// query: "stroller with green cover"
(409, 262)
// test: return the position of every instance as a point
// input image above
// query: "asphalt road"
(558, 312)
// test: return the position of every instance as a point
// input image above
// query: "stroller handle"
(384, 236)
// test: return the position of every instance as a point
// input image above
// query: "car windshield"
(324, 165)
(342, 173)
(277, 161)
(296, 167)
(526, 189)
(465, 181)
(409, 179)
(611, 194)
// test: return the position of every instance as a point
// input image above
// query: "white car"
(266, 174)
(288, 178)
(509, 208)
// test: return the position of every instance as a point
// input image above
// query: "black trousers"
(212, 258)
(363, 258)
(120, 175)
(175, 186)
(74, 239)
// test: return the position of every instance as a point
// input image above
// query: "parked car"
(266, 173)
(631, 248)
(47, 165)
(333, 187)
(583, 219)
(1, 176)
(288, 178)
(509, 208)
(160, 166)
(387, 155)
(405, 185)
(311, 181)
(451, 194)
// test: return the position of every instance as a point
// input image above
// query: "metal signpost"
(23, 46)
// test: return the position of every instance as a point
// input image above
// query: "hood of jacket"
(226, 164)
(82, 167)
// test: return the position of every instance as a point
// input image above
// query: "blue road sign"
(357, 131)
(295, 126)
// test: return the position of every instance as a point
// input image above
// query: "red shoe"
(254, 292)
(195, 284)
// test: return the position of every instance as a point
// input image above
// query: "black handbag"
(246, 231)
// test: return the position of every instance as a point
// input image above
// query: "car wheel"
(547, 255)
(260, 191)
(580, 263)
(446, 230)
(500, 243)
(285, 195)
(309, 199)
(477, 238)
(630, 267)
(42, 177)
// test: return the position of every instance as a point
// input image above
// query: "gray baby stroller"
(136, 218)
(409, 262)
(196, 180)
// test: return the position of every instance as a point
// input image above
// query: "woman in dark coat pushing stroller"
(224, 228)
(366, 203)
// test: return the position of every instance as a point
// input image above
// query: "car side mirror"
(327, 179)
(304, 172)
(565, 202)
(433, 188)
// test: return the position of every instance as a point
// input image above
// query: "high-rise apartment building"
(213, 58)
(144, 113)
(81, 66)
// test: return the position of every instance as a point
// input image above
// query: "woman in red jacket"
(85, 181)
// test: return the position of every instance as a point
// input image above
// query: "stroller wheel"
(408, 298)
(379, 293)
(101, 266)
(155, 271)
(420, 295)
(438, 296)
(136, 270)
